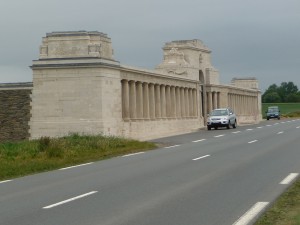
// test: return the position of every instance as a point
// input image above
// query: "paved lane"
(208, 177)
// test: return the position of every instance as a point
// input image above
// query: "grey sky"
(249, 38)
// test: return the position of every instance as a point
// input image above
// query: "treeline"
(287, 92)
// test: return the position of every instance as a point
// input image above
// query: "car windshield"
(219, 113)
(273, 110)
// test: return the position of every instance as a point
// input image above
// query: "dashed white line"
(251, 213)
(249, 129)
(202, 157)
(298, 127)
(250, 142)
(268, 125)
(280, 132)
(276, 123)
(137, 153)
(69, 200)
(236, 132)
(173, 146)
(289, 178)
(259, 127)
(70, 167)
(5, 181)
(199, 140)
(219, 135)
(282, 122)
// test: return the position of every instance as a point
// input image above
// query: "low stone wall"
(14, 111)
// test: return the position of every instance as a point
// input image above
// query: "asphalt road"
(215, 177)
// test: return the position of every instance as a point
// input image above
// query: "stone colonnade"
(213, 100)
(243, 104)
(152, 101)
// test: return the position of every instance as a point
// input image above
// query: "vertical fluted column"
(168, 103)
(163, 101)
(209, 102)
(182, 100)
(139, 100)
(215, 100)
(200, 102)
(195, 105)
(146, 113)
(157, 101)
(173, 102)
(191, 103)
(187, 105)
(152, 101)
(178, 102)
(125, 100)
(132, 99)
(218, 99)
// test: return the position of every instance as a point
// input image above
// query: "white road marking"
(173, 146)
(69, 200)
(282, 122)
(70, 167)
(269, 125)
(276, 123)
(219, 135)
(5, 181)
(298, 127)
(250, 142)
(249, 129)
(251, 213)
(202, 157)
(289, 178)
(259, 127)
(133, 154)
(280, 132)
(236, 132)
(199, 140)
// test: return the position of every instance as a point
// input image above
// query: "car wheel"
(234, 125)
(268, 118)
(216, 128)
(208, 127)
(278, 118)
(228, 125)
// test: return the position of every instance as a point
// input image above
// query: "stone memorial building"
(78, 87)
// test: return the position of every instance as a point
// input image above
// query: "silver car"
(223, 117)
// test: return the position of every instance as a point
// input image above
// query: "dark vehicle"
(273, 112)
(223, 117)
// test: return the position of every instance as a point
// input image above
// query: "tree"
(287, 89)
(271, 97)
(286, 92)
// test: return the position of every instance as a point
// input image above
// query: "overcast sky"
(248, 38)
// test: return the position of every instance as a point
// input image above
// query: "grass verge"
(28, 157)
(286, 210)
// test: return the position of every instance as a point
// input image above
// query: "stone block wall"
(14, 111)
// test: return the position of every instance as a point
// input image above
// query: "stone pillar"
(200, 102)
(152, 101)
(125, 100)
(187, 105)
(173, 102)
(168, 99)
(178, 102)
(132, 99)
(163, 101)
(218, 99)
(146, 101)
(215, 100)
(157, 101)
(139, 100)
(182, 100)
(195, 112)
(209, 102)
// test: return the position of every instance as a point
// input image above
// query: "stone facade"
(14, 111)
(79, 87)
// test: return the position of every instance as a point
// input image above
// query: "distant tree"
(271, 97)
(286, 92)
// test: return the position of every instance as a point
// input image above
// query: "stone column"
(168, 101)
(182, 100)
(152, 101)
(132, 99)
(146, 101)
(125, 100)
(200, 102)
(187, 105)
(173, 102)
(139, 100)
(195, 105)
(163, 101)
(209, 102)
(218, 99)
(157, 102)
(178, 102)
(215, 100)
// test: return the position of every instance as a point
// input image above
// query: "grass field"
(286, 109)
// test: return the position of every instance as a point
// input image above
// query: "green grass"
(286, 210)
(286, 109)
(28, 157)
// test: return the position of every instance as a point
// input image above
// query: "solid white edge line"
(172, 146)
(69, 200)
(250, 142)
(202, 157)
(70, 167)
(251, 213)
(199, 140)
(133, 154)
(289, 178)
(5, 181)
